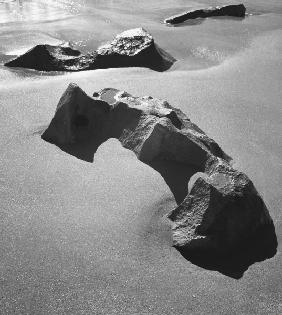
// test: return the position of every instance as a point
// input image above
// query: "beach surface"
(93, 238)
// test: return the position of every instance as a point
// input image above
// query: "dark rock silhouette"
(45, 58)
(237, 10)
(132, 48)
(222, 213)
(233, 263)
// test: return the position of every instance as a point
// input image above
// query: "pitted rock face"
(130, 43)
(132, 48)
(221, 211)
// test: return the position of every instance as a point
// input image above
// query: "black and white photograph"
(140, 160)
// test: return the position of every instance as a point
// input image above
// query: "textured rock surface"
(237, 10)
(46, 58)
(147, 126)
(132, 48)
(77, 117)
(222, 209)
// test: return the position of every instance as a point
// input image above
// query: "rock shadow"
(84, 151)
(237, 11)
(229, 18)
(262, 246)
(132, 48)
(176, 176)
(191, 22)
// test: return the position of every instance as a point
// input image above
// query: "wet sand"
(92, 238)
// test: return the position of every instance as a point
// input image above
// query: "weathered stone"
(45, 58)
(163, 131)
(132, 48)
(77, 116)
(221, 212)
(149, 127)
(237, 10)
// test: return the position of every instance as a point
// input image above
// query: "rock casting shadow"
(235, 263)
(220, 223)
(177, 176)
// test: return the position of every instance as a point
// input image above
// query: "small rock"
(237, 10)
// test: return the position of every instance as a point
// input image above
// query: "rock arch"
(222, 215)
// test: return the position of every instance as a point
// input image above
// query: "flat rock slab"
(237, 10)
(132, 48)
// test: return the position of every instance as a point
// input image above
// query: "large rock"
(132, 48)
(237, 10)
(221, 212)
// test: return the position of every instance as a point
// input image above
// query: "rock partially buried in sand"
(132, 48)
(222, 209)
(237, 10)
(45, 58)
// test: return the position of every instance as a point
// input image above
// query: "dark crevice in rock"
(132, 48)
(221, 223)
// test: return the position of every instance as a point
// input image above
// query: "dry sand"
(91, 238)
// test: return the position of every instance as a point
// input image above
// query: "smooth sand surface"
(92, 238)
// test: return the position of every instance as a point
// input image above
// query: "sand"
(92, 238)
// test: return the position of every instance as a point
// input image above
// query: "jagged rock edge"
(216, 165)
